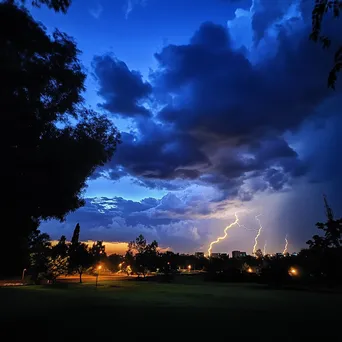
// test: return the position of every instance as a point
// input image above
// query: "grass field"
(146, 310)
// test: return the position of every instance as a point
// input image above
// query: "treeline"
(320, 263)
(48, 262)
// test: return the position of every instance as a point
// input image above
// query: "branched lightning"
(258, 234)
(264, 250)
(225, 234)
(286, 245)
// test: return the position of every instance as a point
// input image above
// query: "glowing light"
(258, 234)
(293, 271)
(286, 245)
(264, 250)
(99, 267)
(189, 267)
(250, 270)
(225, 234)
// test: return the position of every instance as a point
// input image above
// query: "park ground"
(139, 310)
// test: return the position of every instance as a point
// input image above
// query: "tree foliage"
(50, 143)
(115, 262)
(145, 255)
(56, 5)
(80, 257)
(39, 248)
(56, 267)
(324, 256)
(321, 9)
(332, 232)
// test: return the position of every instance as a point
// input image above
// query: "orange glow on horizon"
(113, 247)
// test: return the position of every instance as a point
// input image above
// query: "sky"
(223, 107)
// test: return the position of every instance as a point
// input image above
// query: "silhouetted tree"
(321, 9)
(145, 255)
(56, 5)
(98, 253)
(48, 156)
(80, 257)
(76, 235)
(128, 265)
(324, 256)
(332, 229)
(60, 249)
(56, 267)
(39, 248)
(113, 262)
(58, 262)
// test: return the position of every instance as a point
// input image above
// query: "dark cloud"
(227, 96)
(170, 220)
(266, 13)
(158, 152)
(211, 36)
(123, 90)
(223, 119)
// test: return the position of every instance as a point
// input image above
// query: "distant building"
(238, 254)
(219, 255)
(279, 255)
(199, 255)
(215, 255)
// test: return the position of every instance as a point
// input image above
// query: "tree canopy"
(145, 254)
(56, 5)
(51, 144)
(321, 9)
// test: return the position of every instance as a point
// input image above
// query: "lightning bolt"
(258, 234)
(264, 250)
(286, 245)
(225, 234)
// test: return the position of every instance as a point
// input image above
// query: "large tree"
(50, 143)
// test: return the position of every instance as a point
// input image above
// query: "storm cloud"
(222, 119)
(222, 124)
(122, 89)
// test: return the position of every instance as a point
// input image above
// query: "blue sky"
(222, 105)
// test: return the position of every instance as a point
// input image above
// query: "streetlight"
(23, 275)
(98, 272)
(293, 271)
(189, 268)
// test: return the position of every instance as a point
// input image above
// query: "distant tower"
(328, 210)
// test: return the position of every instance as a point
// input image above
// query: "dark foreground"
(120, 310)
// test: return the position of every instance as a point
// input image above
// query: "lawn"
(141, 310)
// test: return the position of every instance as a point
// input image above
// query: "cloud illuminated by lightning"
(225, 234)
(258, 234)
(286, 245)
